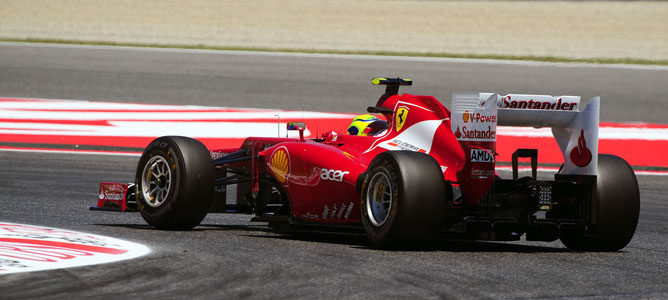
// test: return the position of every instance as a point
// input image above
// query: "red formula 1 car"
(431, 172)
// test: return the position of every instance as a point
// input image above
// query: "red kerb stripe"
(81, 247)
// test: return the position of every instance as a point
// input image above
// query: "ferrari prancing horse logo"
(401, 115)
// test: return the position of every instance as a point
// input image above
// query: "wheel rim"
(156, 181)
(379, 199)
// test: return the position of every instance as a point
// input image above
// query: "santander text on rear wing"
(476, 115)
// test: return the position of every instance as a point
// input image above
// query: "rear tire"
(617, 206)
(404, 199)
(175, 179)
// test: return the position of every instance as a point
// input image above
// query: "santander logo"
(580, 154)
(545, 104)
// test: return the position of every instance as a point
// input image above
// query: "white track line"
(61, 151)
(193, 119)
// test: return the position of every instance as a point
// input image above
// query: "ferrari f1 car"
(430, 173)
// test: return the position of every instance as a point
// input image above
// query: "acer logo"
(333, 175)
(481, 155)
(542, 105)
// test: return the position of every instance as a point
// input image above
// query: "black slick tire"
(177, 176)
(616, 208)
(403, 199)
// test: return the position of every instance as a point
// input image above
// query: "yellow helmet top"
(361, 123)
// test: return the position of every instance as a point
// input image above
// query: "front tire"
(404, 199)
(616, 202)
(175, 179)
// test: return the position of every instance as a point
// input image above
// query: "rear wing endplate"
(475, 117)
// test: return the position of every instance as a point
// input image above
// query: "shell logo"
(466, 116)
(280, 164)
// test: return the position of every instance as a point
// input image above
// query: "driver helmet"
(367, 125)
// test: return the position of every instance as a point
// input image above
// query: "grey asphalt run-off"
(227, 256)
(332, 83)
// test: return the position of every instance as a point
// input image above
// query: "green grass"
(634, 61)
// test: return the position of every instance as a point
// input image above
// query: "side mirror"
(301, 126)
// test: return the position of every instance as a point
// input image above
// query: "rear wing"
(475, 117)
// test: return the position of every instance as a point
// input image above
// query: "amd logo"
(481, 155)
(333, 175)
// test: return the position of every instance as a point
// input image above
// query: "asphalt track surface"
(318, 82)
(230, 257)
